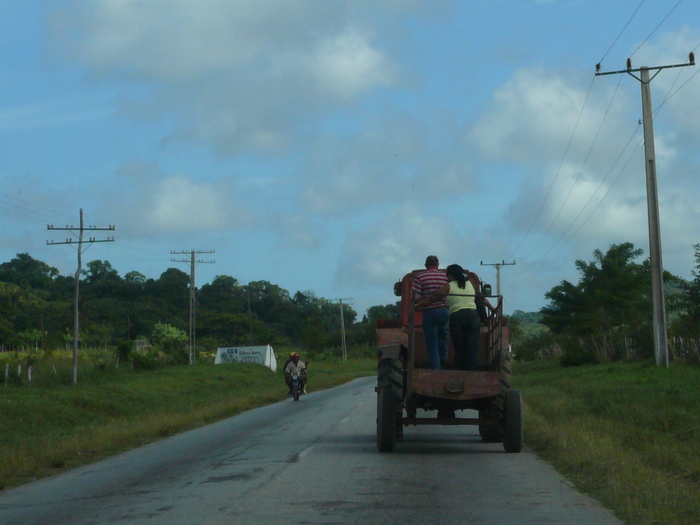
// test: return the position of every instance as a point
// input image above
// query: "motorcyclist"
(288, 360)
(295, 365)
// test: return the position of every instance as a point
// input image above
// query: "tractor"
(408, 391)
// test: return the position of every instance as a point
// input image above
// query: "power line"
(590, 149)
(556, 175)
(16, 208)
(571, 225)
(578, 176)
(656, 111)
(622, 31)
(657, 27)
(549, 253)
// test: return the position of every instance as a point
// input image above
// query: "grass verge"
(625, 433)
(46, 431)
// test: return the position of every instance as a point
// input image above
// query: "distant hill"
(526, 324)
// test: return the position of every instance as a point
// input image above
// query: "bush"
(172, 342)
(535, 347)
(124, 350)
(145, 361)
(577, 355)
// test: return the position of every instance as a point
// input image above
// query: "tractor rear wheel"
(495, 410)
(513, 438)
(386, 420)
(389, 410)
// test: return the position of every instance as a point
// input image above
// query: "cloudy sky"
(330, 145)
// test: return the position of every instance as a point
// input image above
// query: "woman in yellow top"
(465, 324)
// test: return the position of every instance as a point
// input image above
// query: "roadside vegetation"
(626, 433)
(49, 425)
(597, 407)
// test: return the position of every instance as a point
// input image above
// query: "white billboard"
(262, 355)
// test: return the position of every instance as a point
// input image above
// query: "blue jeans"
(436, 333)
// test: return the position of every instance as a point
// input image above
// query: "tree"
(223, 294)
(26, 271)
(387, 311)
(167, 299)
(687, 303)
(611, 301)
(134, 277)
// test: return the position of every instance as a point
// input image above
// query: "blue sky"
(332, 145)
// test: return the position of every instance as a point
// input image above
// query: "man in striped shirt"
(436, 316)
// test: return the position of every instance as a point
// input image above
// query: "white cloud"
(179, 204)
(397, 158)
(295, 230)
(154, 203)
(51, 113)
(239, 75)
(347, 64)
(392, 246)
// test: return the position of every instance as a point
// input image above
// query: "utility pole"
(498, 273)
(192, 253)
(78, 232)
(657, 268)
(250, 315)
(342, 326)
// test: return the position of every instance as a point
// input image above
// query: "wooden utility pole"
(79, 232)
(657, 267)
(498, 273)
(193, 289)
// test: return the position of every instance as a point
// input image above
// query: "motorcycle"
(297, 387)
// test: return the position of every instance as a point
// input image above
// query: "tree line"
(36, 310)
(607, 315)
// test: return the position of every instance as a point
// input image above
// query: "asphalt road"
(308, 462)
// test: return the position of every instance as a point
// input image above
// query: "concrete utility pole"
(250, 315)
(657, 268)
(79, 232)
(498, 272)
(193, 289)
(342, 326)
